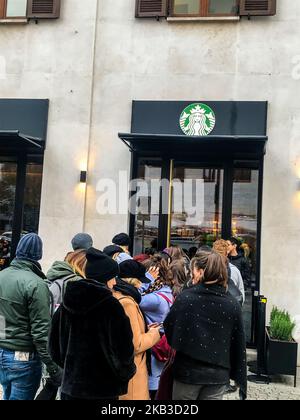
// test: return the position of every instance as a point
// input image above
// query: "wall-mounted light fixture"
(83, 177)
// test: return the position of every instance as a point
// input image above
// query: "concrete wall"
(146, 59)
(248, 60)
(54, 60)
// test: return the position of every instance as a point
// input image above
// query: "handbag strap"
(165, 298)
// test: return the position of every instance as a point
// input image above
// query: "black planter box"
(282, 357)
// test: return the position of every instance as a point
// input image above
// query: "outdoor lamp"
(83, 177)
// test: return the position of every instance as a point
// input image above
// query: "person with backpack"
(205, 327)
(156, 303)
(91, 337)
(61, 272)
(24, 305)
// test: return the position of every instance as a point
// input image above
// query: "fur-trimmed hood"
(84, 296)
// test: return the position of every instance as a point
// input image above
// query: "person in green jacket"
(25, 323)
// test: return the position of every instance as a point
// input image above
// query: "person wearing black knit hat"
(122, 240)
(132, 275)
(91, 336)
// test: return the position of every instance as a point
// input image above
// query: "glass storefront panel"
(32, 198)
(244, 227)
(147, 204)
(197, 199)
(8, 178)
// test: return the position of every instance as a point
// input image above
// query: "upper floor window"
(204, 8)
(29, 9)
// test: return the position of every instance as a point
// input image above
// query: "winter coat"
(243, 265)
(237, 279)
(91, 339)
(156, 309)
(60, 270)
(24, 304)
(206, 325)
(138, 388)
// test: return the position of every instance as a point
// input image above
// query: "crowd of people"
(105, 325)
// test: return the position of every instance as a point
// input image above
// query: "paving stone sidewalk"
(281, 388)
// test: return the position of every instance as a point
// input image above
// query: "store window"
(32, 198)
(204, 8)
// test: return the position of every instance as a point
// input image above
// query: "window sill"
(205, 19)
(18, 20)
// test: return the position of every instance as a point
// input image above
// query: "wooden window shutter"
(257, 7)
(43, 9)
(151, 8)
(2, 9)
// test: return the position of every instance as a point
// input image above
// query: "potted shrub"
(282, 350)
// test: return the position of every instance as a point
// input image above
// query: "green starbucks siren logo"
(197, 120)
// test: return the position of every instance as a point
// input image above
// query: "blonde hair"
(133, 282)
(221, 247)
(115, 256)
(77, 260)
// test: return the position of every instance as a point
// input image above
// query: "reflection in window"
(196, 207)
(147, 201)
(222, 7)
(187, 7)
(32, 198)
(8, 178)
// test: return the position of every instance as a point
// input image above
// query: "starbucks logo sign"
(197, 120)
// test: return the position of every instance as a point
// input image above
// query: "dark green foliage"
(281, 325)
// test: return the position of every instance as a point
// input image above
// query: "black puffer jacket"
(91, 339)
(206, 325)
(243, 265)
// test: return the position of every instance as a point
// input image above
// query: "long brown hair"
(214, 266)
(179, 277)
(165, 276)
(77, 260)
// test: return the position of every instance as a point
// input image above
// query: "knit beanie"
(30, 248)
(82, 241)
(100, 267)
(122, 240)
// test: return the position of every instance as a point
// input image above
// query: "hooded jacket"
(91, 339)
(24, 305)
(61, 270)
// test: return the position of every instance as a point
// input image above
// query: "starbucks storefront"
(198, 171)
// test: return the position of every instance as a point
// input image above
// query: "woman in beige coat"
(132, 275)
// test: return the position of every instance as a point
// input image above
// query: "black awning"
(216, 146)
(13, 140)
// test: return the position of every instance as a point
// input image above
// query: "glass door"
(197, 201)
(245, 207)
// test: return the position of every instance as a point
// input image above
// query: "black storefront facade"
(227, 155)
(23, 131)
